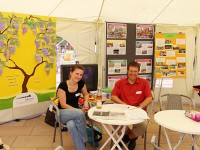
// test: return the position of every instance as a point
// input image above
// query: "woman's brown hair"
(76, 66)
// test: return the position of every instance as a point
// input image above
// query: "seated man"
(133, 91)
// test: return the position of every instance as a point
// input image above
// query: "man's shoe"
(132, 144)
(64, 129)
(125, 139)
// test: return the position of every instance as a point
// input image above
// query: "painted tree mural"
(45, 41)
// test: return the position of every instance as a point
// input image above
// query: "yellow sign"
(170, 55)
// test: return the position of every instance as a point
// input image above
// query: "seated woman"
(69, 92)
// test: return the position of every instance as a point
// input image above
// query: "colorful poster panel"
(116, 30)
(117, 66)
(116, 47)
(27, 59)
(144, 48)
(170, 55)
(145, 65)
(144, 31)
(113, 79)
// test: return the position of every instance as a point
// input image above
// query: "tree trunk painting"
(12, 28)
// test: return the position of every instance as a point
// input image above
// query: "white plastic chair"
(154, 144)
(59, 148)
(57, 117)
(175, 101)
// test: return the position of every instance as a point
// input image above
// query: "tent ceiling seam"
(162, 11)
(55, 8)
(97, 28)
(100, 11)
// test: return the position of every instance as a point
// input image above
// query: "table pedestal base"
(193, 143)
(112, 133)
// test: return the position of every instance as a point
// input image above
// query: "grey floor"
(34, 134)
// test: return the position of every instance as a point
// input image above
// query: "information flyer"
(116, 30)
(170, 55)
(144, 48)
(117, 66)
(147, 77)
(144, 31)
(145, 65)
(113, 79)
(116, 47)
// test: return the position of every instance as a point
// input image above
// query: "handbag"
(97, 135)
(50, 117)
(194, 115)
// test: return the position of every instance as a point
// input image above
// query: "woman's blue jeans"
(76, 124)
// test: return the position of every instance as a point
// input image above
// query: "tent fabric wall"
(81, 35)
(197, 64)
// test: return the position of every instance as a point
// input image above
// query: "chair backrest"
(175, 101)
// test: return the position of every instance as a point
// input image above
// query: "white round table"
(177, 121)
(113, 108)
(109, 123)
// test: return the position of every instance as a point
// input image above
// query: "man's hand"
(115, 99)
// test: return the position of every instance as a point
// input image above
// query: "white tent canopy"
(179, 12)
(78, 19)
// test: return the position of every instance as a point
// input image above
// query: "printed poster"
(145, 65)
(170, 55)
(144, 48)
(117, 66)
(113, 79)
(116, 30)
(69, 57)
(144, 31)
(27, 59)
(146, 77)
(116, 47)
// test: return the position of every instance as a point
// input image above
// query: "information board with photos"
(126, 42)
(170, 55)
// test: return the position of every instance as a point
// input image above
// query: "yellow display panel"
(170, 55)
(27, 58)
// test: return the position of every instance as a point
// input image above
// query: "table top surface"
(115, 108)
(177, 121)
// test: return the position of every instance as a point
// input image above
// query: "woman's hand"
(85, 109)
(85, 106)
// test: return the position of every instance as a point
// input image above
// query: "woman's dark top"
(71, 98)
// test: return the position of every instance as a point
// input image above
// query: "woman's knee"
(80, 114)
(71, 125)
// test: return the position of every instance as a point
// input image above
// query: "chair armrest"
(56, 108)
